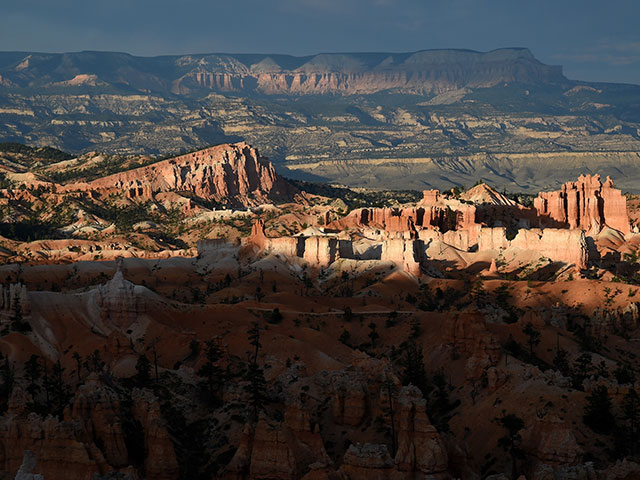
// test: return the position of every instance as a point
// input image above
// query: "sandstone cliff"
(588, 204)
(231, 174)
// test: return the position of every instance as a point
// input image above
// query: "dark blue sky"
(594, 40)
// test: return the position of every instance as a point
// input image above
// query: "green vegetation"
(597, 411)
(511, 441)
(359, 198)
(33, 154)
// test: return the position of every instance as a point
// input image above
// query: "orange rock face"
(232, 173)
(99, 409)
(406, 253)
(563, 245)
(279, 450)
(420, 448)
(160, 462)
(588, 204)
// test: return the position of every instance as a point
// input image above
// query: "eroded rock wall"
(230, 173)
(587, 203)
(562, 245)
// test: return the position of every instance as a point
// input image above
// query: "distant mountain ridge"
(421, 72)
(426, 119)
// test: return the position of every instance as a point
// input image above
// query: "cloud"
(608, 51)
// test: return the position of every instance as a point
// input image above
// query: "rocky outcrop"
(390, 220)
(551, 442)
(279, 450)
(420, 448)
(26, 470)
(61, 447)
(614, 320)
(98, 409)
(349, 401)
(160, 462)
(467, 334)
(233, 174)
(120, 302)
(320, 251)
(407, 253)
(13, 297)
(561, 245)
(432, 213)
(371, 461)
(588, 204)
(484, 194)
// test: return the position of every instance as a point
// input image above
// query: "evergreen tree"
(256, 389)
(257, 385)
(581, 370)
(17, 320)
(254, 340)
(534, 337)
(58, 388)
(32, 372)
(7, 376)
(275, 317)
(373, 334)
(597, 411)
(511, 441)
(624, 374)
(390, 388)
(631, 418)
(78, 359)
(95, 362)
(154, 352)
(143, 371)
(412, 362)
(210, 371)
(345, 337)
(561, 362)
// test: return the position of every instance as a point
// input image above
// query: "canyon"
(202, 316)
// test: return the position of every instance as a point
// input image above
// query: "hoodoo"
(587, 204)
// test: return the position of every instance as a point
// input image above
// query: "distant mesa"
(426, 71)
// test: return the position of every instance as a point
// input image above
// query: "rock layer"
(588, 204)
(232, 174)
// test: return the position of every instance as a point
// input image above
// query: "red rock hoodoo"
(587, 204)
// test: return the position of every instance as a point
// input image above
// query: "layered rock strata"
(230, 173)
(588, 204)
(569, 246)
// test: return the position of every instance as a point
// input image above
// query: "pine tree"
(412, 362)
(254, 340)
(373, 334)
(256, 389)
(534, 337)
(561, 362)
(631, 417)
(143, 371)
(390, 388)
(58, 388)
(257, 385)
(597, 411)
(32, 372)
(511, 441)
(7, 375)
(78, 359)
(210, 371)
(581, 370)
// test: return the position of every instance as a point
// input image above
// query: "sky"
(593, 40)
